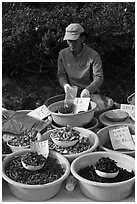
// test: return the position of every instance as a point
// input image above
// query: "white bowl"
(116, 115)
(93, 138)
(64, 143)
(104, 191)
(17, 148)
(106, 175)
(103, 135)
(92, 125)
(72, 119)
(36, 192)
(31, 167)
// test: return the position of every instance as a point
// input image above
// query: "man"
(79, 65)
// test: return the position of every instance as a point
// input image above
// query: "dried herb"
(49, 173)
(89, 173)
(33, 159)
(105, 164)
(82, 145)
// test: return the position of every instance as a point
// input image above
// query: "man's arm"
(61, 74)
(98, 77)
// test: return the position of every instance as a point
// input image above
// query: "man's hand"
(85, 93)
(66, 87)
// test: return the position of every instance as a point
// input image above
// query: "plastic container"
(103, 135)
(104, 191)
(36, 192)
(109, 103)
(93, 138)
(72, 119)
(92, 125)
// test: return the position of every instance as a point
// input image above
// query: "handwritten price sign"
(130, 109)
(121, 138)
(40, 112)
(41, 147)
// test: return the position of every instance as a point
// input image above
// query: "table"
(62, 196)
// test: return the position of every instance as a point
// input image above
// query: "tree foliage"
(33, 36)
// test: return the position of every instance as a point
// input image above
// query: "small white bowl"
(64, 143)
(32, 168)
(17, 148)
(116, 115)
(106, 175)
(104, 191)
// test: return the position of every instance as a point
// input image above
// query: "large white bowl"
(72, 119)
(36, 192)
(103, 135)
(104, 191)
(93, 138)
(92, 125)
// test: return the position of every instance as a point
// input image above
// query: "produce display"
(82, 145)
(105, 164)
(68, 134)
(89, 172)
(66, 109)
(50, 172)
(65, 133)
(19, 141)
(33, 159)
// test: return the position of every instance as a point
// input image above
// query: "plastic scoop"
(106, 174)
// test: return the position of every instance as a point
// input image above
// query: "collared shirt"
(84, 70)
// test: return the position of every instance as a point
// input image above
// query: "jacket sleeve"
(61, 73)
(97, 72)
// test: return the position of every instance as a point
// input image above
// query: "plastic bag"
(70, 96)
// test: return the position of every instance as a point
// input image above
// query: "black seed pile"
(89, 173)
(105, 164)
(49, 173)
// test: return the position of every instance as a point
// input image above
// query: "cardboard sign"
(81, 104)
(40, 112)
(40, 147)
(121, 138)
(130, 109)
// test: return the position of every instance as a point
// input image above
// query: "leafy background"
(32, 36)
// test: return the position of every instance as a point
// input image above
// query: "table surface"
(62, 196)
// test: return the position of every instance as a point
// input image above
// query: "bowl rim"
(111, 150)
(21, 185)
(107, 122)
(94, 119)
(106, 114)
(70, 114)
(96, 144)
(99, 184)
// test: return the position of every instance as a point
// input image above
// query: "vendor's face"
(75, 45)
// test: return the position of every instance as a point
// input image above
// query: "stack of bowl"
(88, 120)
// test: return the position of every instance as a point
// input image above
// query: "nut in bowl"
(65, 136)
(19, 142)
(88, 142)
